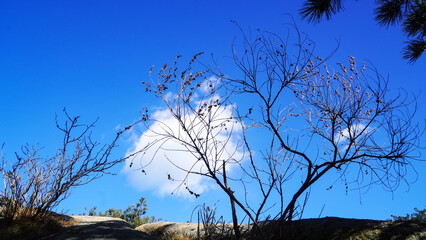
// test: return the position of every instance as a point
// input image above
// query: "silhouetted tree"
(314, 120)
(411, 14)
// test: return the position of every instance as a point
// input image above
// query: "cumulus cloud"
(209, 84)
(161, 169)
(355, 131)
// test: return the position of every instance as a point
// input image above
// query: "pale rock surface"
(173, 230)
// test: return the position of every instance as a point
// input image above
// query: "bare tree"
(206, 127)
(33, 185)
(315, 121)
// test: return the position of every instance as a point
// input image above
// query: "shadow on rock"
(110, 229)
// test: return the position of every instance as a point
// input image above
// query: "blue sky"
(91, 57)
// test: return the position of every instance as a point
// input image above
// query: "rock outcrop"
(329, 228)
(100, 228)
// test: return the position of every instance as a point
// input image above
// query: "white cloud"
(156, 162)
(355, 131)
(209, 84)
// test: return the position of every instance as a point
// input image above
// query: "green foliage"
(134, 214)
(90, 212)
(117, 213)
(419, 215)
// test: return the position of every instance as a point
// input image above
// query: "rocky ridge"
(329, 228)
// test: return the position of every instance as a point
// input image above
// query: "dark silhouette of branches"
(411, 14)
(314, 10)
(314, 120)
(205, 127)
(342, 120)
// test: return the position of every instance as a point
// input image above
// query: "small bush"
(418, 215)
(134, 214)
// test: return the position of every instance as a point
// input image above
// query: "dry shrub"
(34, 184)
(30, 227)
